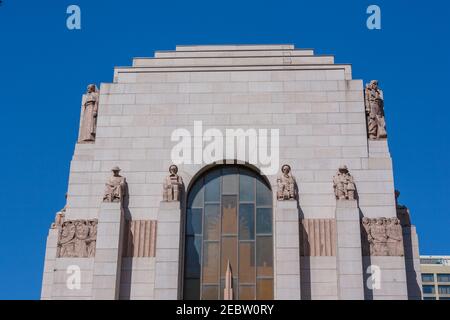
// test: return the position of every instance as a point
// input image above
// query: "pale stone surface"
(167, 270)
(348, 237)
(286, 241)
(109, 253)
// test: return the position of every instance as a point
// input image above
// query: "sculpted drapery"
(89, 114)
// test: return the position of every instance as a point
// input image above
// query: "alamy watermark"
(374, 20)
(73, 21)
(259, 147)
(73, 281)
(374, 281)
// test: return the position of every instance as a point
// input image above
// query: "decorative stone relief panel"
(140, 239)
(77, 239)
(318, 237)
(382, 237)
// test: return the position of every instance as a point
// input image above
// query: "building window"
(444, 298)
(444, 289)
(229, 218)
(427, 277)
(429, 298)
(427, 289)
(431, 261)
(443, 277)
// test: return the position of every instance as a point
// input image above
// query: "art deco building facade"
(140, 223)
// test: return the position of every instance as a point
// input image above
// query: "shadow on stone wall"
(366, 259)
(305, 259)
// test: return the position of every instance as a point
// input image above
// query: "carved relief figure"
(375, 111)
(89, 114)
(379, 238)
(286, 184)
(81, 235)
(91, 241)
(172, 185)
(394, 237)
(383, 236)
(77, 239)
(66, 241)
(343, 184)
(115, 187)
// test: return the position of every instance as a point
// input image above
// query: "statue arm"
(96, 107)
(366, 99)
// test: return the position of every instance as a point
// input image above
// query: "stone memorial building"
(232, 172)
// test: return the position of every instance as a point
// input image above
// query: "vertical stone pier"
(49, 264)
(108, 255)
(348, 251)
(167, 266)
(287, 251)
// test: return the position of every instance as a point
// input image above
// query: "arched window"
(229, 218)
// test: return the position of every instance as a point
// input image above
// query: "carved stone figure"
(77, 239)
(343, 184)
(379, 238)
(59, 218)
(394, 237)
(115, 187)
(383, 236)
(89, 114)
(81, 236)
(375, 111)
(91, 241)
(397, 195)
(286, 184)
(172, 185)
(66, 243)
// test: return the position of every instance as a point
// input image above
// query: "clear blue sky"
(44, 69)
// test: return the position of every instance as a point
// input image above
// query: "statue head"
(115, 170)
(365, 220)
(173, 169)
(91, 88)
(286, 169)
(380, 221)
(343, 169)
(374, 84)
